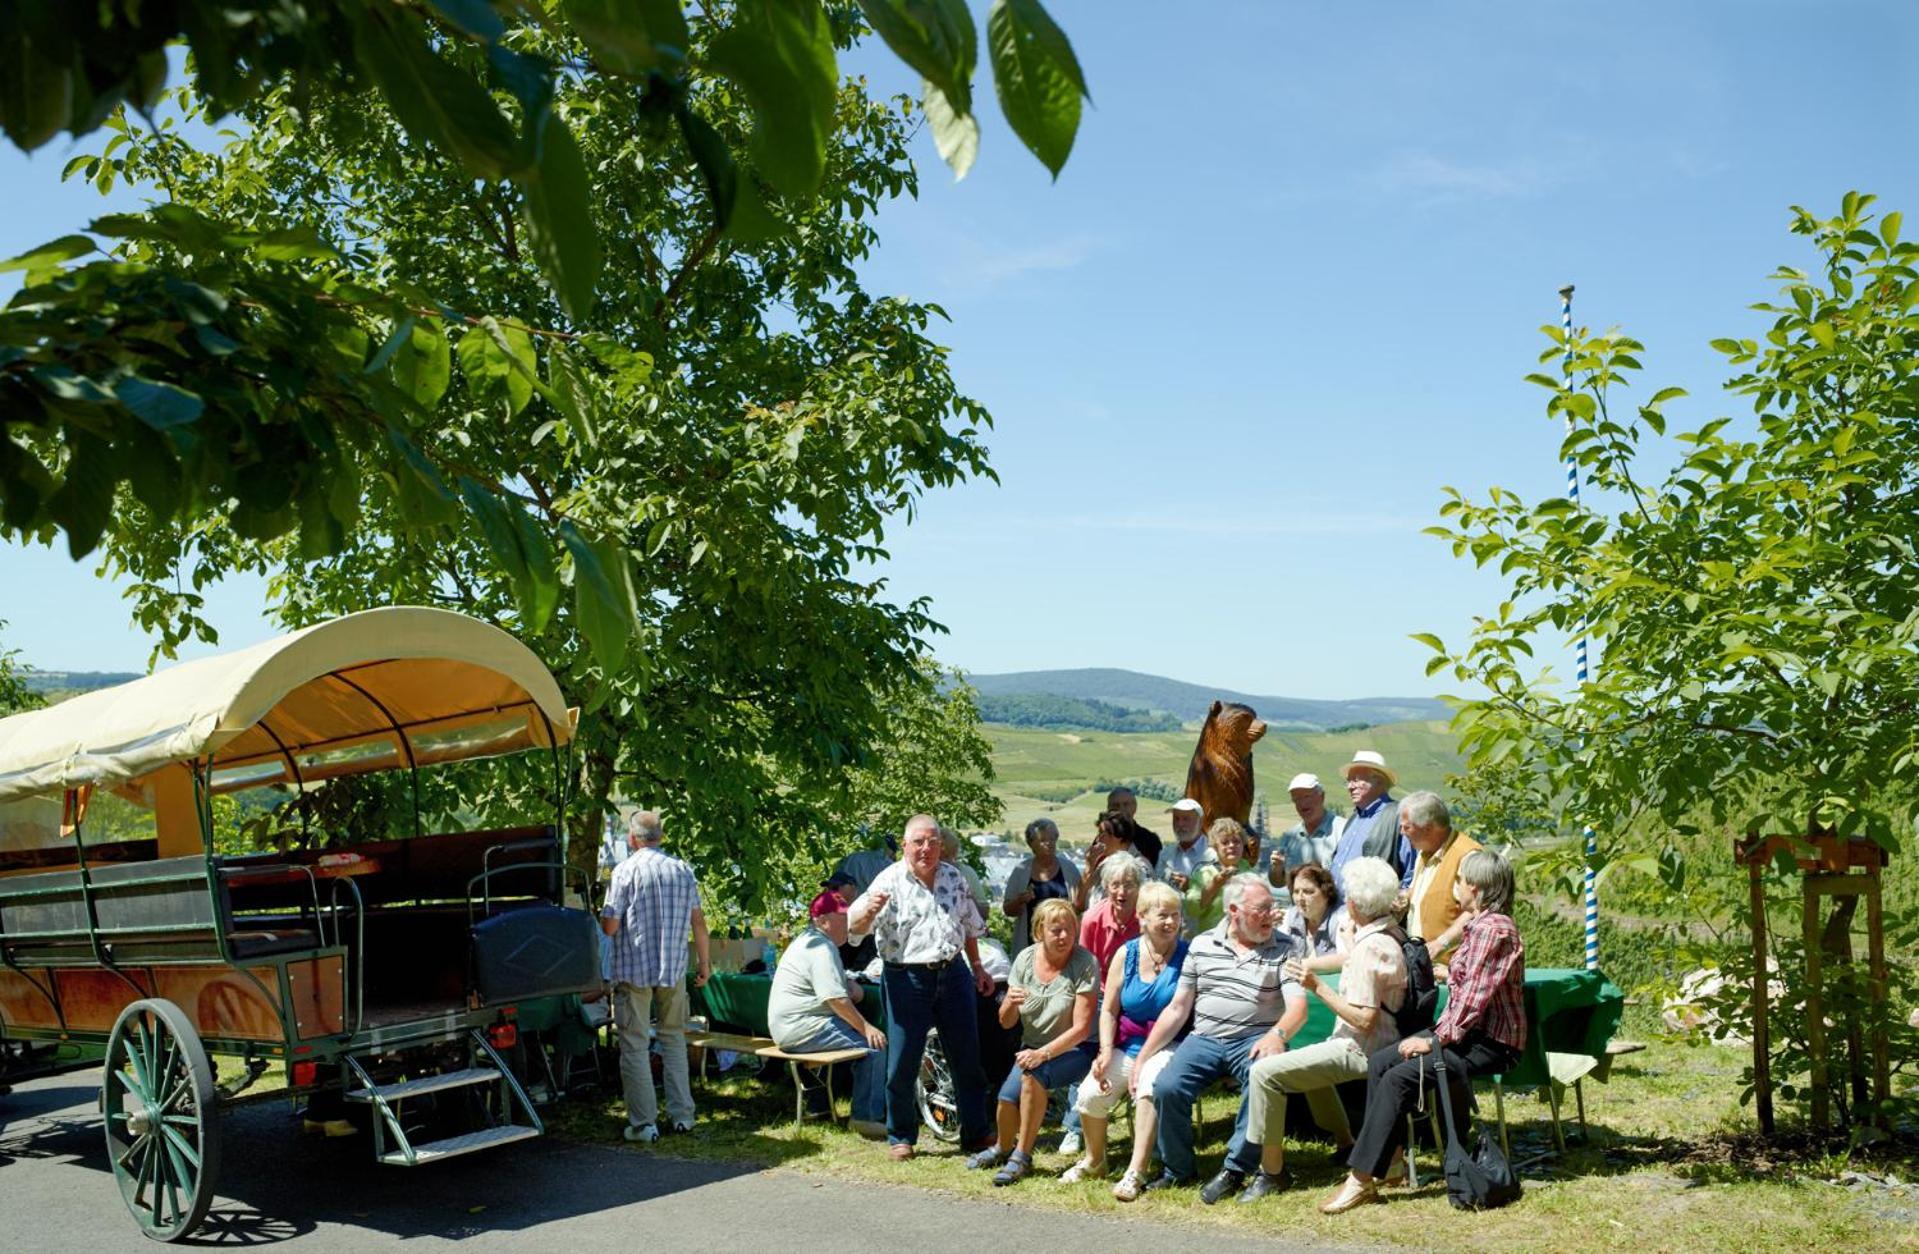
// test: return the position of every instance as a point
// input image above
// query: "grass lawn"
(1671, 1167)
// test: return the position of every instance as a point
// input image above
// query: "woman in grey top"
(1042, 877)
(1051, 996)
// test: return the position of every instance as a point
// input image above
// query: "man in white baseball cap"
(1312, 839)
(1179, 859)
(1373, 829)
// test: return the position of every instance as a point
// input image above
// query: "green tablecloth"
(1568, 1011)
(739, 1001)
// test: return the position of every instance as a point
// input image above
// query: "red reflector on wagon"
(503, 1035)
(306, 1074)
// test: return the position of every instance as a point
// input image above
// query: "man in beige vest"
(1438, 850)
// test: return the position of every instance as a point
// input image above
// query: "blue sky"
(1285, 290)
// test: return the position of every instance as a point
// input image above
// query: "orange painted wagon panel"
(94, 996)
(22, 1005)
(319, 996)
(224, 1003)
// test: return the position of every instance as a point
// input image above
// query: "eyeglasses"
(1259, 912)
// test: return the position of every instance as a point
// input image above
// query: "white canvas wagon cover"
(383, 688)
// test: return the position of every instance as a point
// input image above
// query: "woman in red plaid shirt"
(1481, 1032)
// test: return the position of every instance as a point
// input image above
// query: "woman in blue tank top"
(1140, 983)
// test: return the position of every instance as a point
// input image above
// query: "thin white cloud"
(1424, 174)
(996, 268)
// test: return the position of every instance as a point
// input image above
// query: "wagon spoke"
(137, 1063)
(181, 1149)
(174, 1172)
(182, 1087)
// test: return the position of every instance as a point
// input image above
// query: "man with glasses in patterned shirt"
(1244, 1006)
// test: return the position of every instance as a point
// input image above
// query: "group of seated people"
(1150, 981)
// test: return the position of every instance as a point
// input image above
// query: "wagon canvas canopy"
(384, 688)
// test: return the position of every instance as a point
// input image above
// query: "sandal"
(986, 1158)
(1083, 1170)
(1128, 1188)
(1016, 1167)
(1351, 1193)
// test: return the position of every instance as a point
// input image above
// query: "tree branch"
(684, 275)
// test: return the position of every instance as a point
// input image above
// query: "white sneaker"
(645, 1134)
(682, 1125)
(1070, 1143)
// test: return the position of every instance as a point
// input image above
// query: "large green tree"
(222, 377)
(710, 457)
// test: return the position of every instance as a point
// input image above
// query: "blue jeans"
(1055, 1073)
(917, 999)
(1199, 1061)
(869, 1079)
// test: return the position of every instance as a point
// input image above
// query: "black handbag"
(1479, 1178)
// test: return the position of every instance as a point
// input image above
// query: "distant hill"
(1043, 709)
(1189, 702)
(67, 683)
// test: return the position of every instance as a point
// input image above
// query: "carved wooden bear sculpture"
(1221, 776)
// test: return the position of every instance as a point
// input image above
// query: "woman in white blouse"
(1372, 984)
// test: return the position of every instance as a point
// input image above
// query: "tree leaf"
(540, 595)
(476, 17)
(84, 502)
(435, 100)
(631, 36)
(294, 243)
(36, 90)
(602, 599)
(496, 528)
(780, 53)
(714, 160)
(559, 226)
(935, 37)
(159, 405)
(955, 134)
(1037, 77)
(423, 365)
(66, 248)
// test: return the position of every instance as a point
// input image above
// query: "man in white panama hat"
(1373, 829)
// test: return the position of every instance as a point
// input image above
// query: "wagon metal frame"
(153, 955)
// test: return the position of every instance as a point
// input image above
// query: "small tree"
(1754, 608)
(15, 696)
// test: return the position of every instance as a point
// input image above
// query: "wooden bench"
(823, 1059)
(706, 1041)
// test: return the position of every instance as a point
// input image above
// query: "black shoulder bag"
(1479, 1178)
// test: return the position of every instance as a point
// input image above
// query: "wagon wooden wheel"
(163, 1132)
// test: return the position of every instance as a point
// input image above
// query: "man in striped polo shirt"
(1243, 1007)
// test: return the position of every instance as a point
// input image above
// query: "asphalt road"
(56, 1194)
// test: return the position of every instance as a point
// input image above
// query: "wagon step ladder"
(486, 1067)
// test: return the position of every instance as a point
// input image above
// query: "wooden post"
(1816, 1012)
(1876, 969)
(1761, 1037)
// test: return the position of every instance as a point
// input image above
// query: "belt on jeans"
(941, 965)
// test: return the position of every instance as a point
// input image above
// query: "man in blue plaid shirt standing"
(653, 900)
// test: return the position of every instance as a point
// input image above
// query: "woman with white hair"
(1140, 983)
(1372, 984)
(1481, 1032)
(1114, 919)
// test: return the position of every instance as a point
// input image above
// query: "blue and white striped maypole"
(1579, 644)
